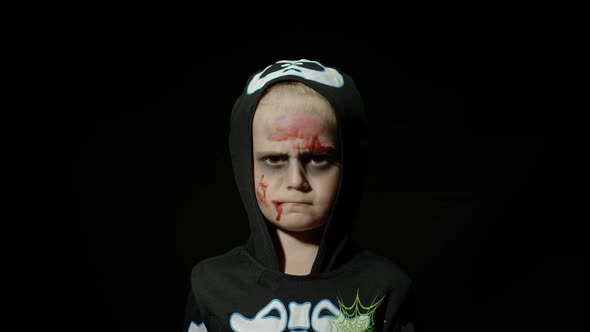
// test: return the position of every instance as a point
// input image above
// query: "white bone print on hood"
(310, 70)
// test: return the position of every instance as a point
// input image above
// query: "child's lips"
(277, 203)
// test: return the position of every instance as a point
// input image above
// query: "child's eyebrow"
(261, 154)
(329, 153)
(306, 154)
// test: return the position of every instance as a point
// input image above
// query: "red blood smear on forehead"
(302, 129)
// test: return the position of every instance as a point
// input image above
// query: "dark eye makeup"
(314, 159)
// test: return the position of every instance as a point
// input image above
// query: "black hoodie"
(349, 288)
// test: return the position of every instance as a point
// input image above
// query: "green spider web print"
(356, 317)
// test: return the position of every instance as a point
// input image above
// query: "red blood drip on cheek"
(261, 191)
(279, 206)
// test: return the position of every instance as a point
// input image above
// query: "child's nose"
(297, 179)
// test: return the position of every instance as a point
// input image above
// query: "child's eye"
(319, 160)
(274, 161)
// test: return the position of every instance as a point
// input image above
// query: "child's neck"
(297, 250)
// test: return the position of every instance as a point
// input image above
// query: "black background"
(476, 186)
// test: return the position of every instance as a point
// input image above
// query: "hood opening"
(335, 246)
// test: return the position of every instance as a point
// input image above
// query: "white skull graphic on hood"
(310, 70)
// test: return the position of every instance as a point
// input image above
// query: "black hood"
(336, 245)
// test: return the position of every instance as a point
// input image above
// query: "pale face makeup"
(296, 165)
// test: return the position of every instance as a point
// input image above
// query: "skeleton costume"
(349, 288)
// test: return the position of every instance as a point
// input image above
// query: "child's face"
(295, 160)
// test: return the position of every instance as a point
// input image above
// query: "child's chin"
(297, 224)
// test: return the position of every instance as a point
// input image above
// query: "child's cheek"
(261, 188)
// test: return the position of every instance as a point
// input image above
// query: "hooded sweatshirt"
(349, 288)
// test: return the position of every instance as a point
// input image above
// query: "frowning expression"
(296, 166)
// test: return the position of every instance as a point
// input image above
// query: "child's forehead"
(279, 108)
(306, 120)
(271, 118)
(285, 94)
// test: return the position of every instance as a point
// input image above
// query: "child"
(298, 138)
